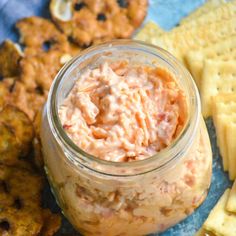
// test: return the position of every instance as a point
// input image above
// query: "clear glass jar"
(133, 198)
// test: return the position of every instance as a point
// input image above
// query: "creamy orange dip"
(122, 112)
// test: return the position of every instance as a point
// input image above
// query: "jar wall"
(98, 204)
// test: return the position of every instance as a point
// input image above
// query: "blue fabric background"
(167, 14)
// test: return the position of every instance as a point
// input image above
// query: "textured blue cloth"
(167, 14)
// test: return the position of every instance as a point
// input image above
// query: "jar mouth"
(161, 159)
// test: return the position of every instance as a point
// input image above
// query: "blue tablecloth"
(167, 14)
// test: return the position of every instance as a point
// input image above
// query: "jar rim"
(159, 160)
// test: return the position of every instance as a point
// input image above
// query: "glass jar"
(133, 198)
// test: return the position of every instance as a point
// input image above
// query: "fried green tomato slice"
(9, 146)
(52, 223)
(10, 55)
(20, 125)
(4, 93)
(20, 192)
(20, 222)
(23, 185)
(20, 203)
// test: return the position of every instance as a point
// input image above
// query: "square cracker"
(224, 110)
(181, 42)
(205, 8)
(231, 203)
(231, 146)
(221, 131)
(203, 232)
(219, 221)
(214, 10)
(149, 31)
(224, 50)
(224, 11)
(217, 77)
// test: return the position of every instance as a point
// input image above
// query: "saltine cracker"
(180, 43)
(223, 12)
(204, 9)
(203, 232)
(224, 110)
(219, 221)
(231, 203)
(222, 121)
(224, 50)
(149, 31)
(231, 146)
(217, 77)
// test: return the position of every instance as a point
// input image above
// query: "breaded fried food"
(20, 203)
(20, 222)
(88, 22)
(24, 222)
(29, 102)
(10, 55)
(9, 146)
(46, 50)
(38, 71)
(52, 223)
(38, 156)
(23, 185)
(20, 214)
(41, 35)
(37, 122)
(20, 125)
(4, 94)
(13, 91)
(10, 149)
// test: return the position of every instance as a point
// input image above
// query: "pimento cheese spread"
(121, 112)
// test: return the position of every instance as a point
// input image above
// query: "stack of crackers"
(205, 42)
(27, 69)
(222, 219)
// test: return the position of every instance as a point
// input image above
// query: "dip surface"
(122, 112)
